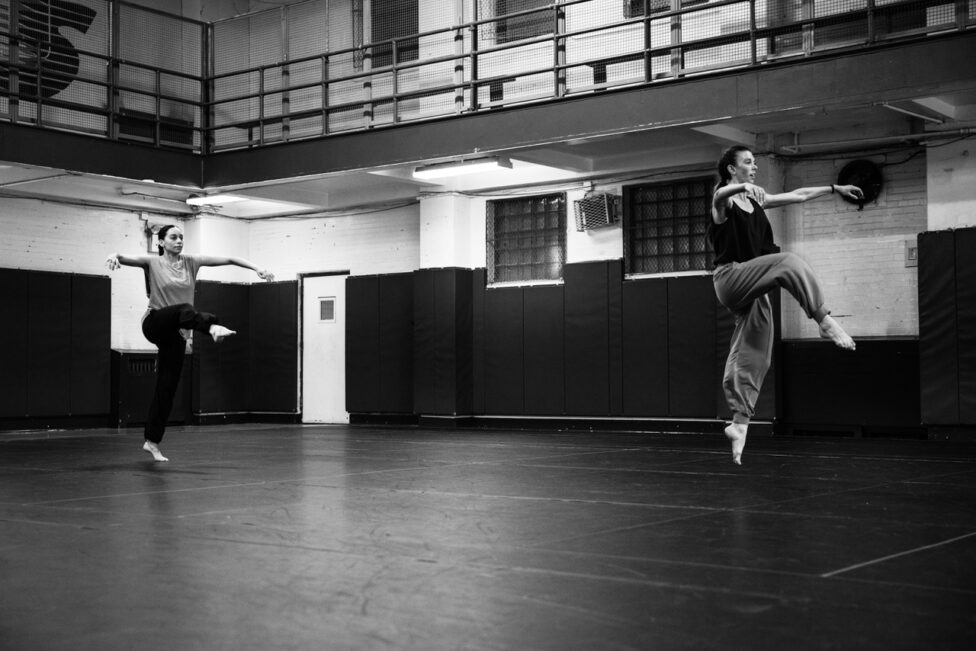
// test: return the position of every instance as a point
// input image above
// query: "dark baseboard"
(383, 419)
(237, 418)
(56, 422)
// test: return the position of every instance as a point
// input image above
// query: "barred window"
(634, 8)
(526, 238)
(525, 26)
(394, 19)
(666, 226)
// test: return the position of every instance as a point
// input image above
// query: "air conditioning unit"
(596, 210)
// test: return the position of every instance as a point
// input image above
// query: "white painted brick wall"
(859, 256)
(371, 243)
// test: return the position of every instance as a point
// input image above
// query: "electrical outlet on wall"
(911, 253)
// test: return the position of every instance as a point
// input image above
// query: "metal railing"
(561, 50)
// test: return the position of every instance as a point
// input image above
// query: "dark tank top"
(743, 236)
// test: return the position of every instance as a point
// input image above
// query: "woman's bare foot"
(219, 332)
(736, 433)
(153, 449)
(830, 329)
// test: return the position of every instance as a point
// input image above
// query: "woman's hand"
(264, 274)
(112, 262)
(754, 191)
(850, 191)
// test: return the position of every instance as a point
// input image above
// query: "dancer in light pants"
(171, 318)
(747, 267)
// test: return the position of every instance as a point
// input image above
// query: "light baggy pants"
(743, 287)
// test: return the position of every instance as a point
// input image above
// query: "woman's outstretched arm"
(116, 260)
(219, 261)
(806, 194)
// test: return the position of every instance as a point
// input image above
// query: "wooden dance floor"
(333, 537)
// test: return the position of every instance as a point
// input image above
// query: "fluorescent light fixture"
(457, 168)
(212, 199)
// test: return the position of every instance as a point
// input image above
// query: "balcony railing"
(544, 54)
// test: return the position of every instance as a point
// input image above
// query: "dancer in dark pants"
(171, 318)
(747, 268)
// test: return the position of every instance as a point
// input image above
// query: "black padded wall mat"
(873, 391)
(503, 351)
(221, 380)
(478, 359)
(273, 347)
(49, 344)
(396, 343)
(91, 341)
(14, 333)
(442, 357)
(937, 328)
(691, 347)
(966, 322)
(587, 339)
(362, 344)
(380, 344)
(424, 343)
(645, 343)
(615, 342)
(460, 285)
(543, 356)
(445, 342)
(57, 345)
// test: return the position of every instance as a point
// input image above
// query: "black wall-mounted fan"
(865, 175)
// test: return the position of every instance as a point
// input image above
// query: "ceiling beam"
(727, 135)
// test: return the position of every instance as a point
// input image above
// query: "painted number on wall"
(48, 60)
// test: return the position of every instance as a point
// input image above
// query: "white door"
(324, 349)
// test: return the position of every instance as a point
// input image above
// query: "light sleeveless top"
(171, 284)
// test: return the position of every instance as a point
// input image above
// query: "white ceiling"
(602, 157)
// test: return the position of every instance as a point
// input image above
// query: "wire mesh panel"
(166, 43)
(602, 56)
(391, 21)
(308, 29)
(246, 43)
(526, 238)
(666, 227)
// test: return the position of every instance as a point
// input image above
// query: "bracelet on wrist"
(833, 188)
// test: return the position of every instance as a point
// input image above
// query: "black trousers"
(162, 327)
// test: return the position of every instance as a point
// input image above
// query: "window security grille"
(519, 27)
(526, 238)
(666, 226)
(596, 210)
(393, 19)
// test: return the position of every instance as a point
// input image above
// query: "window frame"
(693, 226)
(554, 238)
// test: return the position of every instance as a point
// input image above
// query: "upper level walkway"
(132, 74)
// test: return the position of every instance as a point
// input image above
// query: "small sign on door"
(327, 309)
